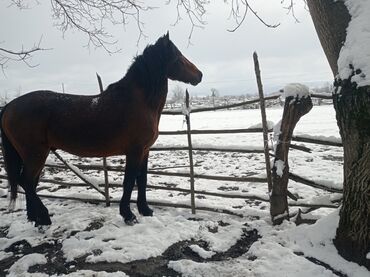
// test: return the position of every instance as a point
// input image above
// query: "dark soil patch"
(3, 231)
(333, 158)
(224, 188)
(156, 266)
(240, 247)
(51, 249)
(95, 225)
(223, 224)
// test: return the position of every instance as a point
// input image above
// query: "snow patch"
(20, 267)
(94, 101)
(186, 111)
(201, 252)
(325, 138)
(296, 90)
(270, 125)
(280, 165)
(3, 192)
(354, 56)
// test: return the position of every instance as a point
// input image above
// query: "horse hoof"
(146, 211)
(131, 221)
(42, 222)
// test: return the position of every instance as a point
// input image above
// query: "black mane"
(149, 70)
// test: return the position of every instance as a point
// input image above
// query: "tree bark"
(352, 106)
(294, 109)
(331, 19)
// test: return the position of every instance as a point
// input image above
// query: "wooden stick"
(322, 96)
(106, 181)
(176, 112)
(78, 174)
(216, 194)
(317, 141)
(264, 121)
(210, 132)
(187, 117)
(300, 148)
(308, 205)
(186, 148)
(310, 183)
(198, 176)
(211, 177)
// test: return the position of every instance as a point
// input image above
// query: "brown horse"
(123, 120)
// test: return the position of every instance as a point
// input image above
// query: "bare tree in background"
(178, 94)
(214, 94)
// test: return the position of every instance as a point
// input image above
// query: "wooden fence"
(103, 188)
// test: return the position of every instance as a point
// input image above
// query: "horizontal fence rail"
(224, 107)
(316, 141)
(211, 132)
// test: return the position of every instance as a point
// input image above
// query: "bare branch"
(92, 16)
(23, 55)
(235, 14)
(290, 8)
(194, 9)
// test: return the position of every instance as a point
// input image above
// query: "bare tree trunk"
(294, 109)
(352, 106)
(353, 117)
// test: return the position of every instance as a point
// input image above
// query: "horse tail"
(12, 161)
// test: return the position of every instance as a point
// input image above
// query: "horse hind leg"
(36, 211)
(133, 165)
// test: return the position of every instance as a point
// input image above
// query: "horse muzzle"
(197, 79)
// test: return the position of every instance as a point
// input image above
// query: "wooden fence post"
(106, 181)
(187, 117)
(295, 107)
(264, 122)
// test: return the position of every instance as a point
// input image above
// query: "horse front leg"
(141, 180)
(133, 164)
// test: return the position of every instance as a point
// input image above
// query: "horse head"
(179, 68)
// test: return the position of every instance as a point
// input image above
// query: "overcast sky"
(289, 53)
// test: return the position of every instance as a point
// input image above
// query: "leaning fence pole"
(264, 121)
(106, 181)
(187, 117)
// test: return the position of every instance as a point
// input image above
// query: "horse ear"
(167, 36)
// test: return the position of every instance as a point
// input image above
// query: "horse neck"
(158, 100)
(155, 89)
(155, 94)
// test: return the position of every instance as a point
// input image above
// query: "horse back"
(90, 126)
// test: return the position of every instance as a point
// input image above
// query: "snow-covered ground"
(86, 239)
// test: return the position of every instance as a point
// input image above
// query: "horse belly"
(90, 146)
